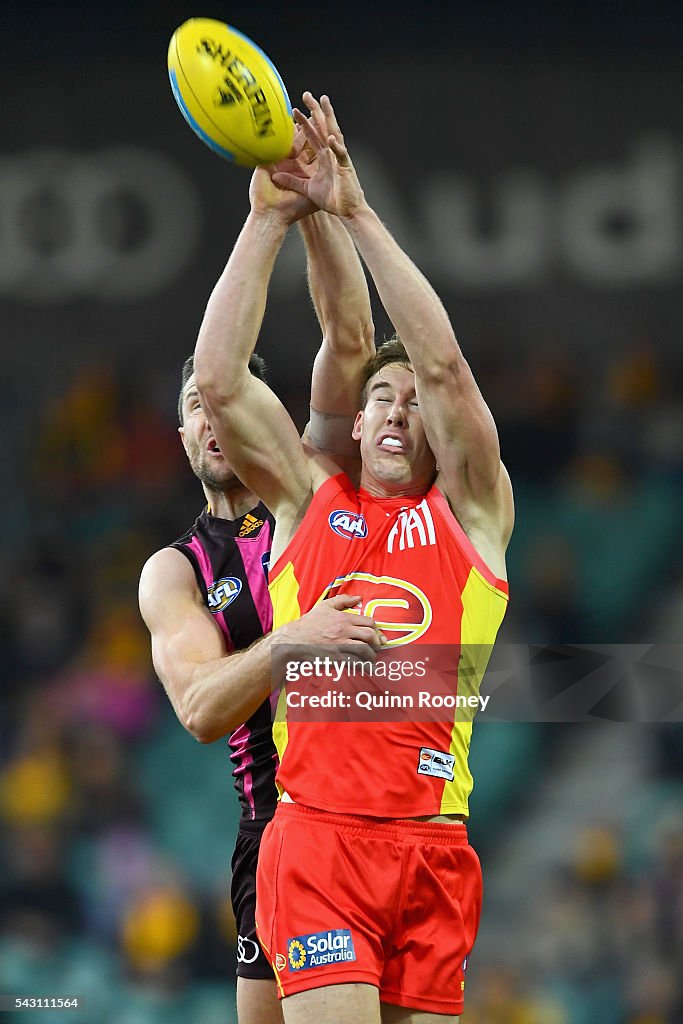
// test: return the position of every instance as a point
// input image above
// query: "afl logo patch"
(222, 593)
(348, 524)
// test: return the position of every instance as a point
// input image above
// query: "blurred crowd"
(117, 827)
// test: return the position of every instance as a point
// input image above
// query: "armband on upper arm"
(331, 433)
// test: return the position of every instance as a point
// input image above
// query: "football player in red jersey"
(368, 891)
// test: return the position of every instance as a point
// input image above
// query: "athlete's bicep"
(183, 632)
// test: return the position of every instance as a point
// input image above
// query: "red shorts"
(342, 898)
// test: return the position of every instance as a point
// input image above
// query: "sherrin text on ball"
(230, 93)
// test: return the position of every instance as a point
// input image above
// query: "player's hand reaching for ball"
(265, 195)
(333, 186)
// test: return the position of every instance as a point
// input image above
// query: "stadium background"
(529, 157)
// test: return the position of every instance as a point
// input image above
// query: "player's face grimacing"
(393, 443)
(206, 459)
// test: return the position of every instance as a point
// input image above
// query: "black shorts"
(251, 962)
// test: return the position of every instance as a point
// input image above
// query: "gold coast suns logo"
(401, 610)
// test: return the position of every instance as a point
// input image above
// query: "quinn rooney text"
(380, 701)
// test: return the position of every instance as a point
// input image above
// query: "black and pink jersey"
(230, 560)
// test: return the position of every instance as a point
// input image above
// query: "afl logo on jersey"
(348, 524)
(222, 593)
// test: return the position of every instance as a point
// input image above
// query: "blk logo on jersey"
(437, 763)
(222, 593)
(414, 526)
(348, 524)
(320, 948)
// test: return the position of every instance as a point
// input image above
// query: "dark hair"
(391, 352)
(257, 367)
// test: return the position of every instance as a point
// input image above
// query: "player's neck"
(232, 504)
(389, 489)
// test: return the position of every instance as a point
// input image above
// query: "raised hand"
(333, 185)
(265, 195)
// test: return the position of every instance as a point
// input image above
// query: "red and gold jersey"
(420, 578)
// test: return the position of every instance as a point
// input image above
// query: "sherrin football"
(230, 93)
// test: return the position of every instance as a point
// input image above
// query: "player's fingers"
(307, 155)
(290, 181)
(317, 114)
(342, 601)
(310, 100)
(308, 128)
(299, 142)
(368, 636)
(340, 151)
(359, 651)
(302, 121)
(356, 620)
(330, 118)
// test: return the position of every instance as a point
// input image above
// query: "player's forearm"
(413, 306)
(337, 284)
(340, 295)
(225, 693)
(235, 309)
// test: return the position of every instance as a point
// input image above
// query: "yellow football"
(230, 93)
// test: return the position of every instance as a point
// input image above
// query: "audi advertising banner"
(530, 217)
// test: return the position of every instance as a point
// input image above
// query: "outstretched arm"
(342, 303)
(459, 425)
(339, 291)
(250, 424)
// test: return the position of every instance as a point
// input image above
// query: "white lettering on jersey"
(413, 522)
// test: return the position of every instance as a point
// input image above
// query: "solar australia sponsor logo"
(437, 763)
(319, 949)
(223, 592)
(350, 525)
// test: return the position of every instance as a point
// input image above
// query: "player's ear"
(357, 426)
(181, 431)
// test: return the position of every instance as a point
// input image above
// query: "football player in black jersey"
(204, 598)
